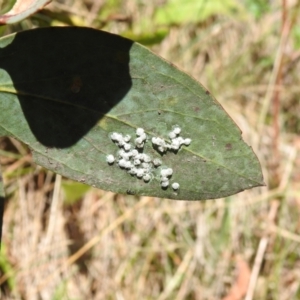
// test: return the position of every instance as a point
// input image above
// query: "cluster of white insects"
(141, 165)
(176, 141)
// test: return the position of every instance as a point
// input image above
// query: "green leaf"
(188, 11)
(147, 38)
(21, 10)
(257, 7)
(7, 268)
(63, 91)
(73, 191)
(296, 36)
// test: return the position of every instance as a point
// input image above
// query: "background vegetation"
(65, 240)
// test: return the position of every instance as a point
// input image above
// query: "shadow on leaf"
(66, 79)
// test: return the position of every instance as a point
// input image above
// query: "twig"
(273, 91)
(261, 252)
(53, 211)
(285, 31)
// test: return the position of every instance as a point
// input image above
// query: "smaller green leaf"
(296, 36)
(73, 191)
(147, 38)
(7, 268)
(189, 11)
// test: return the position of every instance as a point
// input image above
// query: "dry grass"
(108, 246)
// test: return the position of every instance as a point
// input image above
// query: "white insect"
(127, 146)
(140, 131)
(143, 136)
(140, 173)
(187, 142)
(177, 130)
(127, 155)
(166, 172)
(133, 171)
(163, 178)
(175, 144)
(140, 146)
(164, 184)
(134, 152)
(157, 162)
(121, 153)
(161, 149)
(116, 136)
(128, 165)
(122, 163)
(136, 162)
(162, 146)
(139, 140)
(180, 140)
(169, 171)
(147, 177)
(172, 135)
(127, 138)
(140, 156)
(110, 159)
(158, 141)
(121, 142)
(146, 165)
(175, 186)
(147, 158)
